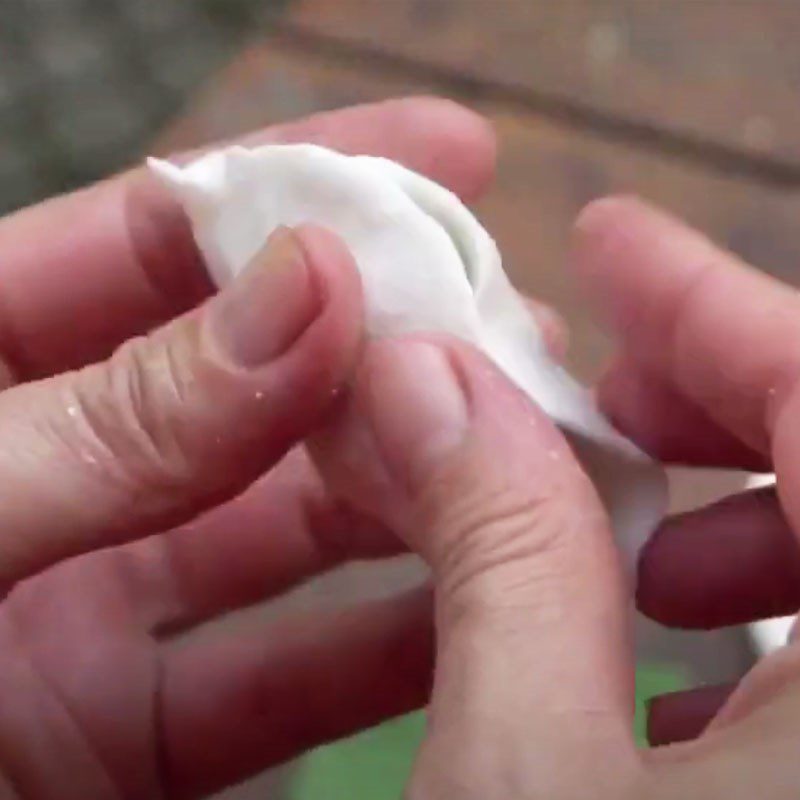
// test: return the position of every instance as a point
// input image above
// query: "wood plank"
(728, 72)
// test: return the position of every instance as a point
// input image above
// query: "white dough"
(768, 635)
(427, 265)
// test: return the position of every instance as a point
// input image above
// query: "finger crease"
(51, 689)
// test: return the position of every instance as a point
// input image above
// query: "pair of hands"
(172, 462)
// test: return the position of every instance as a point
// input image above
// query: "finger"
(668, 426)
(531, 622)
(731, 562)
(82, 273)
(720, 332)
(286, 528)
(438, 137)
(237, 703)
(754, 756)
(183, 419)
(554, 330)
(683, 716)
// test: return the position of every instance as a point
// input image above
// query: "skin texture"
(134, 409)
(151, 480)
(532, 689)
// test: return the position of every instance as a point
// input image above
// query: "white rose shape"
(426, 264)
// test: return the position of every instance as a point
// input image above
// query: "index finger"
(724, 335)
(81, 273)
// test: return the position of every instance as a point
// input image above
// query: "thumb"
(531, 607)
(184, 418)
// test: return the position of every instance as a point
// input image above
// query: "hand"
(98, 696)
(708, 376)
(533, 690)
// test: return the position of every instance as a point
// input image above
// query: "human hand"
(708, 376)
(98, 696)
(533, 690)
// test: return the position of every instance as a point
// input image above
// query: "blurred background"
(86, 84)
(690, 103)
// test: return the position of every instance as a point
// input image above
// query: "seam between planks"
(702, 151)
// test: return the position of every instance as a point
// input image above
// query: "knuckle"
(524, 531)
(509, 521)
(124, 417)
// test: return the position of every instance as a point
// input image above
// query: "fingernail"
(264, 311)
(415, 402)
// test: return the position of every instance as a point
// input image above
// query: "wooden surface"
(721, 71)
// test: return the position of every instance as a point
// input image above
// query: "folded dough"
(427, 265)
